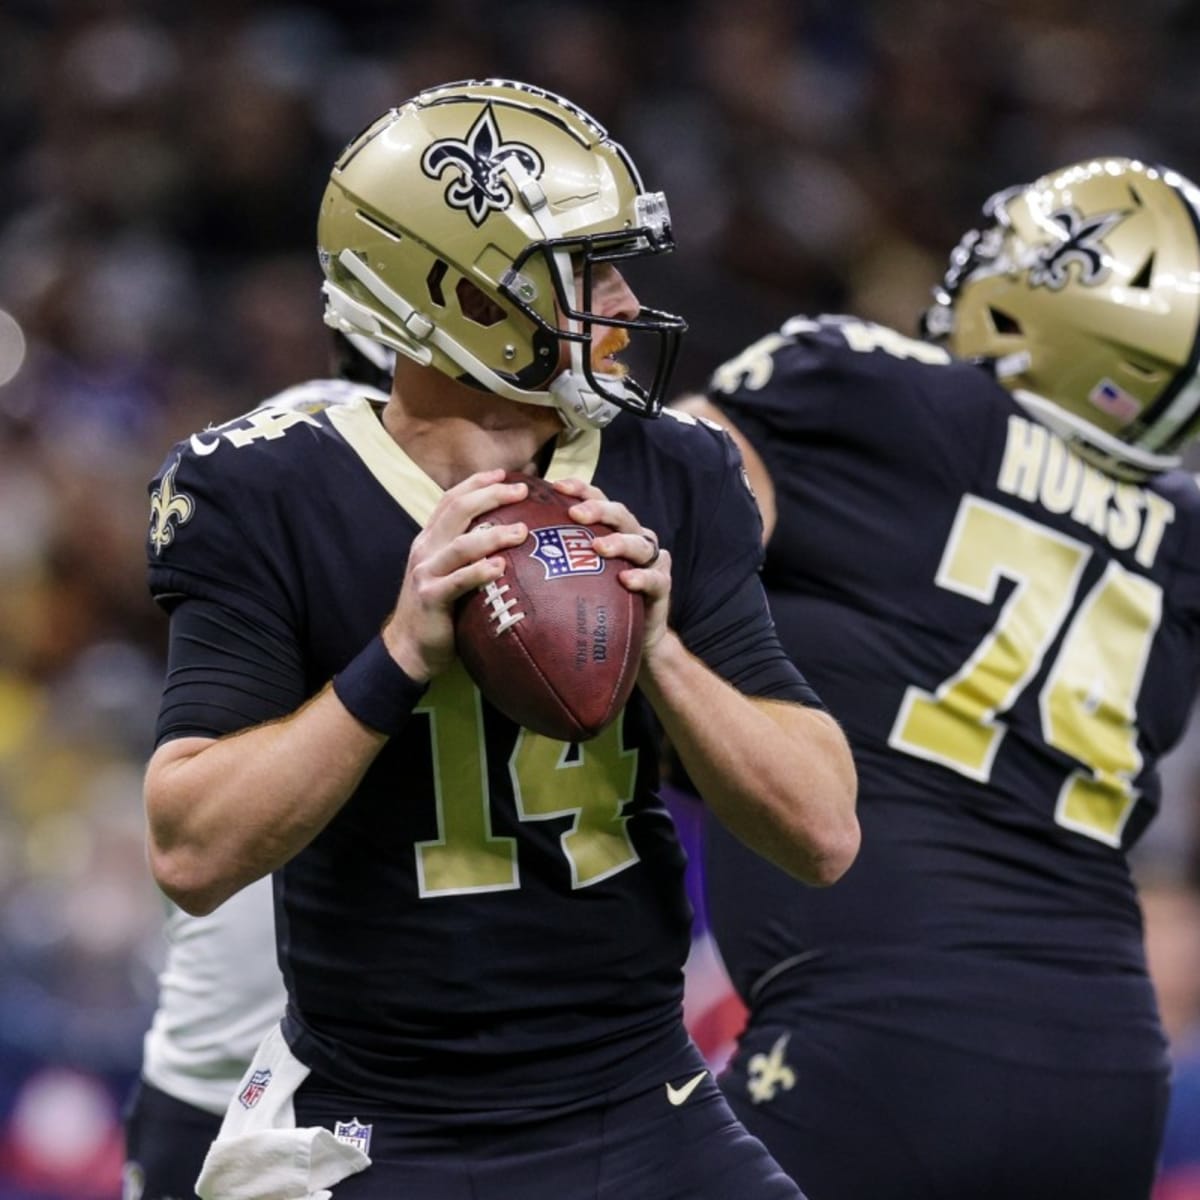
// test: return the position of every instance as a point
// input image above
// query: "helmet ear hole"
(1145, 276)
(1003, 323)
(476, 306)
(433, 281)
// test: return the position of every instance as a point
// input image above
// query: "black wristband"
(376, 689)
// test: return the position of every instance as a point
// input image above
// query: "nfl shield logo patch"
(566, 550)
(353, 1134)
(251, 1094)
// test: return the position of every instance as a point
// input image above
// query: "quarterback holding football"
(481, 926)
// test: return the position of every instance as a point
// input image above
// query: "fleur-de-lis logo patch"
(168, 510)
(478, 187)
(769, 1073)
(1081, 242)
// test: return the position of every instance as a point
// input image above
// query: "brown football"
(555, 642)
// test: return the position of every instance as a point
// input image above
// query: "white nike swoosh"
(202, 448)
(678, 1095)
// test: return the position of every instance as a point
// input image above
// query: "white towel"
(278, 1164)
(259, 1153)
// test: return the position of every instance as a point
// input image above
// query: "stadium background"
(162, 164)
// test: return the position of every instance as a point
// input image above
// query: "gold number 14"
(590, 786)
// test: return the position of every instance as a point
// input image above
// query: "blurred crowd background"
(162, 164)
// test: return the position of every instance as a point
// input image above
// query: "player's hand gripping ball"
(555, 642)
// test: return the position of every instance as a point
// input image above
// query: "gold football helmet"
(1083, 291)
(462, 230)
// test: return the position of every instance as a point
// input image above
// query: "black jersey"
(493, 917)
(1010, 639)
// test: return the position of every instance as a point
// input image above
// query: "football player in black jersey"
(481, 930)
(981, 548)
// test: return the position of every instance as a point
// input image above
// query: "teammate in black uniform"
(989, 566)
(481, 930)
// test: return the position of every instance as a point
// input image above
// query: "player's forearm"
(224, 813)
(779, 776)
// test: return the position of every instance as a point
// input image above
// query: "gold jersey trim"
(407, 483)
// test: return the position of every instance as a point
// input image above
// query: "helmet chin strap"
(578, 403)
(1119, 458)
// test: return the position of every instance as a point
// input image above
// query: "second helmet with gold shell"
(462, 230)
(1083, 291)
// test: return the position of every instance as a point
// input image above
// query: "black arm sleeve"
(725, 620)
(740, 644)
(225, 672)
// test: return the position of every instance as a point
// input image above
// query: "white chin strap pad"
(579, 405)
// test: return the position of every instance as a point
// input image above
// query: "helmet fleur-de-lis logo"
(478, 187)
(168, 510)
(768, 1073)
(1081, 241)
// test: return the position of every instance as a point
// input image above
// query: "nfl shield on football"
(554, 643)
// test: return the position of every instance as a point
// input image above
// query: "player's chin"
(610, 369)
